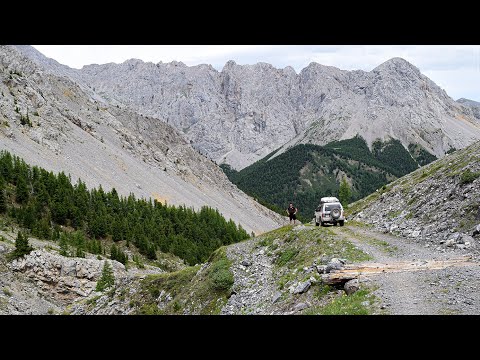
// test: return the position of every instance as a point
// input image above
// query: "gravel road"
(452, 290)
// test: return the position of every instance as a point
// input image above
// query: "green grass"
(394, 214)
(286, 256)
(383, 245)
(203, 292)
(346, 305)
(468, 176)
(7, 292)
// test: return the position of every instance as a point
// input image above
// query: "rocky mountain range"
(244, 112)
(51, 121)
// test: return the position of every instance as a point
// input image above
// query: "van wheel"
(342, 222)
(316, 224)
(322, 223)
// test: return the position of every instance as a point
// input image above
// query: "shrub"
(220, 275)
(468, 176)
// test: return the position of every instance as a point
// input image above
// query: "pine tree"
(22, 190)
(344, 193)
(3, 198)
(107, 279)
(22, 247)
(63, 245)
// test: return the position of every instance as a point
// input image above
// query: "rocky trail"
(412, 280)
(406, 277)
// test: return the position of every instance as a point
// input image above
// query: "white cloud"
(456, 68)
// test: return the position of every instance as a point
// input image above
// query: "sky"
(455, 68)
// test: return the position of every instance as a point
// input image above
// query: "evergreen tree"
(3, 197)
(63, 245)
(21, 194)
(22, 247)
(344, 193)
(107, 279)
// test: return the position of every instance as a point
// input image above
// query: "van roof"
(329, 199)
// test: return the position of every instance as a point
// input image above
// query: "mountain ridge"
(73, 131)
(243, 112)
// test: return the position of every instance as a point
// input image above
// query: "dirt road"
(416, 280)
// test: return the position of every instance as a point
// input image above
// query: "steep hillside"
(437, 205)
(305, 173)
(244, 112)
(474, 105)
(51, 122)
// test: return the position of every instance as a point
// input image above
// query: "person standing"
(292, 213)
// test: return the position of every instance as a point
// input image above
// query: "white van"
(329, 211)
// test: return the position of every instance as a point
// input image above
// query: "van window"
(330, 207)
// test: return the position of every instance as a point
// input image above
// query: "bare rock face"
(473, 105)
(65, 278)
(53, 122)
(244, 112)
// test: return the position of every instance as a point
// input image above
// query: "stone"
(450, 243)
(300, 306)
(334, 264)
(351, 286)
(302, 287)
(246, 263)
(322, 269)
(467, 239)
(477, 229)
(276, 297)
(416, 233)
(393, 228)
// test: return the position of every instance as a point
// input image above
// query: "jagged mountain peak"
(396, 64)
(244, 112)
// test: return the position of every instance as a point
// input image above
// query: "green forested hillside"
(42, 201)
(305, 173)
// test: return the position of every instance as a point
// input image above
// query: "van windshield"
(330, 207)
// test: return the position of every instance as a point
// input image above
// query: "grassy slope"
(205, 289)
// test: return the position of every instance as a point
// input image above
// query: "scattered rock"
(416, 233)
(302, 287)
(276, 297)
(300, 306)
(351, 286)
(246, 263)
(450, 243)
(322, 269)
(477, 230)
(467, 239)
(334, 264)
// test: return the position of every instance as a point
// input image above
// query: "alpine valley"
(142, 188)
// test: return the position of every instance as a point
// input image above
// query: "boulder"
(334, 264)
(302, 287)
(351, 286)
(476, 231)
(300, 306)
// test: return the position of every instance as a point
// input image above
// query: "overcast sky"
(455, 68)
